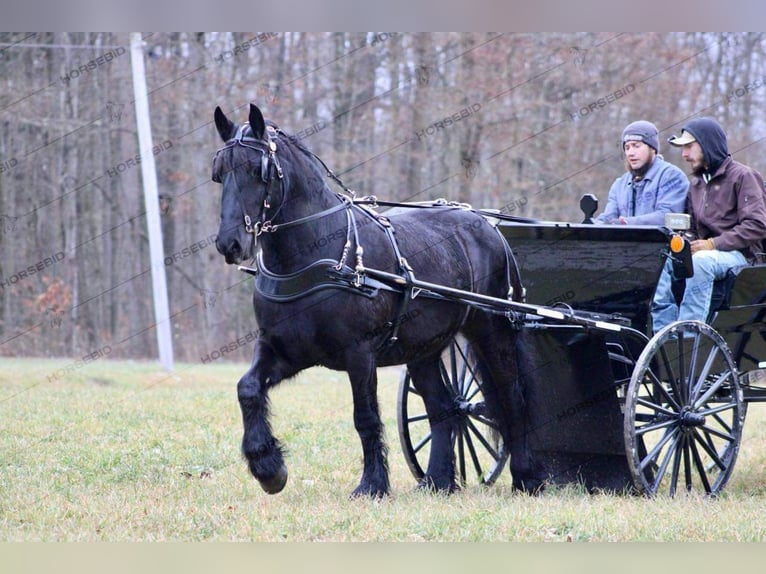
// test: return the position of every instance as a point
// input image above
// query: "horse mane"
(296, 142)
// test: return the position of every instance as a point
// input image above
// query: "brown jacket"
(730, 208)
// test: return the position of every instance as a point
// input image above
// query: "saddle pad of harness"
(321, 274)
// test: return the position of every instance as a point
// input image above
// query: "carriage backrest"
(603, 269)
(742, 318)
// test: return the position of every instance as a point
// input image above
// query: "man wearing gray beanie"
(650, 188)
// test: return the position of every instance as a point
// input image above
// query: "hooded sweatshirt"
(712, 140)
(728, 202)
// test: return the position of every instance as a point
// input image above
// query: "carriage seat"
(722, 289)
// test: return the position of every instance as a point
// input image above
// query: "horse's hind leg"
(262, 451)
(427, 379)
(502, 352)
(364, 387)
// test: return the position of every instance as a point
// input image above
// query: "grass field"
(122, 451)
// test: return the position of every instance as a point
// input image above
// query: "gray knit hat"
(642, 131)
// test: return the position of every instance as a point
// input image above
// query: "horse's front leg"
(259, 447)
(364, 387)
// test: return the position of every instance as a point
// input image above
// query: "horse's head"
(251, 176)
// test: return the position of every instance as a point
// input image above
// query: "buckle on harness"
(264, 227)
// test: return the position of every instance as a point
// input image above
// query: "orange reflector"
(676, 244)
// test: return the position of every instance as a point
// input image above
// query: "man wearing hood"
(650, 188)
(727, 205)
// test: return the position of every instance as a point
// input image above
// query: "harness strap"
(406, 270)
(318, 275)
(511, 267)
(268, 227)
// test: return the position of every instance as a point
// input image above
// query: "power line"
(20, 44)
(73, 46)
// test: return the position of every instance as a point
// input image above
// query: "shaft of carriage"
(526, 311)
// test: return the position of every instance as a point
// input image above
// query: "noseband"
(268, 150)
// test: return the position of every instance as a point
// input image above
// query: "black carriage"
(610, 407)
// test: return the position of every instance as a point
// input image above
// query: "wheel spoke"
(722, 435)
(704, 373)
(649, 458)
(715, 410)
(687, 464)
(424, 441)
(719, 420)
(693, 367)
(700, 467)
(675, 452)
(657, 385)
(683, 387)
(655, 407)
(475, 392)
(461, 454)
(467, 367)
(482, 439)
(656, 426)
(453, 365)
(671, 378)
(417, 418)
(446, 380)
(710, 451)
(485, 421)
(713, 388)
(664, 465)
(474, 456)
(462, 385)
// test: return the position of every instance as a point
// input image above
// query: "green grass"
(122, 451)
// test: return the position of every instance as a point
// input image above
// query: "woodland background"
(525, 123)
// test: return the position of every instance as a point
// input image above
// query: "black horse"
(313, 308)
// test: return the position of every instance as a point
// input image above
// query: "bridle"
(268, 150)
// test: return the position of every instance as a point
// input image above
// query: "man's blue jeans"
(709, 266)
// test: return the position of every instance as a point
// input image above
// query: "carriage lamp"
(678, 221)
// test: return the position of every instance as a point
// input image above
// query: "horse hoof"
(368, 492)
(427, 484)
(275, 484)
(529, 486)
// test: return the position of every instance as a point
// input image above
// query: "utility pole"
(152, 204)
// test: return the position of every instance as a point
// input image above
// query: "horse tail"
(504, 357)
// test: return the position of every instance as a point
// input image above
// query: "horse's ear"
(257, 123)
(223, 124)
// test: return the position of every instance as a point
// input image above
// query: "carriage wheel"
(480, 454)
(683, 412)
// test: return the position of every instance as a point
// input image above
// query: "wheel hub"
(690, 419)
(467, 408)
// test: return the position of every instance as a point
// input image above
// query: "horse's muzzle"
(232, 252)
